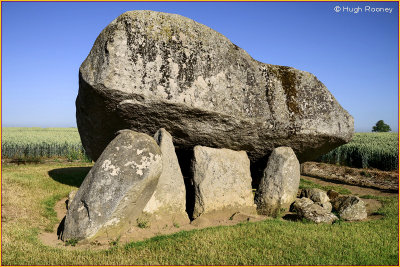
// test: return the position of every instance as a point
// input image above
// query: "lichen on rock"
(149, 70)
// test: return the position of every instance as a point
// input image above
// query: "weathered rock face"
(280, 183)
(306, 208)
(149, 70)
(116, 189)
(350, 208)
(169, 199)
(221, 180)
(332, 194)
(315, 194)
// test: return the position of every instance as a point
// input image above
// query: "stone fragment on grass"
(221, 180)
(325, 205)
(315, 194)
(280, 183)
(307, 209)
(116, 189)
(350, 208)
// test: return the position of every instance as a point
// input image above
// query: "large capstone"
(280, 182)
(149, 70)
(222, 181)
(116, 189)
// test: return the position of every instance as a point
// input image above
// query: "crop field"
(367, 150)
(24, 143)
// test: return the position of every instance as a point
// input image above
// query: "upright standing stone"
(116, 189)
(280, 183)
(222, 181)
(169, 199)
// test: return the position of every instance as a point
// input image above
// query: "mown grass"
(29, 191)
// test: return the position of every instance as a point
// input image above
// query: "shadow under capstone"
(73, 176)
(185, 162)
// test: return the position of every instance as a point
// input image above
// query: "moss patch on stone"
(288, 81)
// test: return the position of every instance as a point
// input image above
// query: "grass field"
(30, 192)
(367, 150)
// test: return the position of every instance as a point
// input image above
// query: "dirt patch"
(372, 178)
(136, 233)
(229, 217)
(355, 190)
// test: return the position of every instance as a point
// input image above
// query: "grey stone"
(280, 183)
(169, 198)
(307, 209)
(71, 196)
(149, 70)
(315, 194)
(116, 189)
(350, 208)
(326, 205)
(222, 181)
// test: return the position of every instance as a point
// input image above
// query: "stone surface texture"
(306, 208)
(315, 194)
(149, 70)
(350, 208)
(332, 194)
(221, 180)
(116, 189)
(169, 198)
(280, 183)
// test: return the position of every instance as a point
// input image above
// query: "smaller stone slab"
(222, 181)
(116, 189)
(168, 202)
(280, 183)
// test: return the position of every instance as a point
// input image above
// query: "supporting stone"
(168, 202)
(222, 181)
(280, 183)
(116, 189)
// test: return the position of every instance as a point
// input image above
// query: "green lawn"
(30, 192)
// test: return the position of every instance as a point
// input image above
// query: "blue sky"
(354, 55)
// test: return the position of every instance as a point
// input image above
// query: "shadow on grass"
(73, 176)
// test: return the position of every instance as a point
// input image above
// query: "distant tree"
(381, 126)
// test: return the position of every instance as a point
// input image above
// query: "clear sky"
(354, 54)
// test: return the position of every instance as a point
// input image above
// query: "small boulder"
(116, 189)
(350, 208)
(280, 182)
(315, 194)
(221, 180)
(326, 205)
(306, 208)
(169, 199)
(332, 194)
